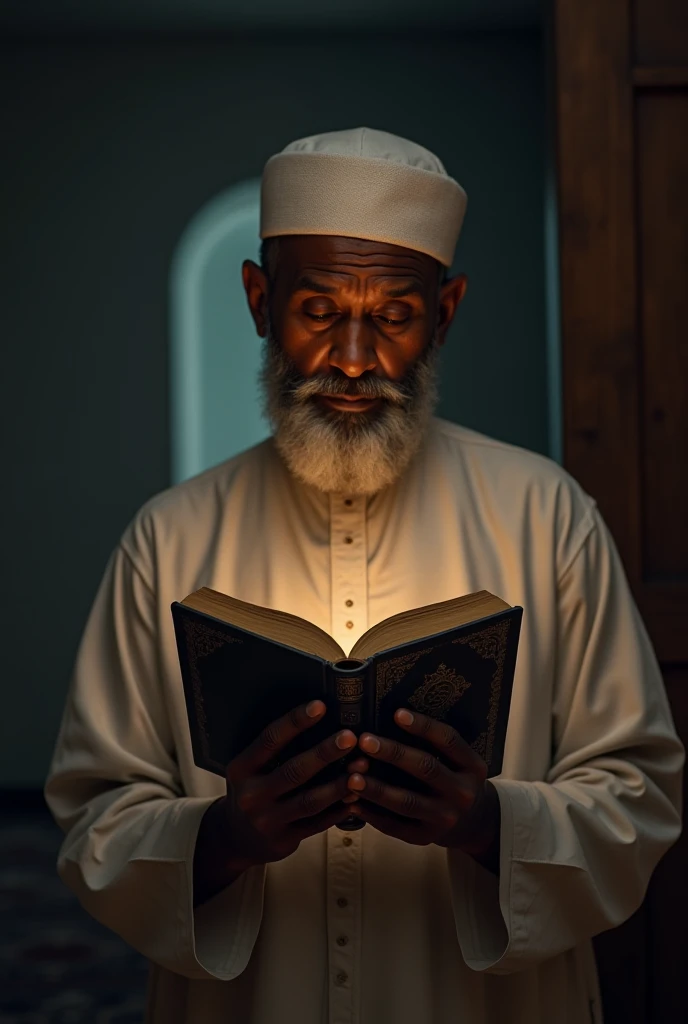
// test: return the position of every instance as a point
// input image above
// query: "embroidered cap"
(363, 183)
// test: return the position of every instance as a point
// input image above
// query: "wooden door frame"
(594, 150)
(594, 80)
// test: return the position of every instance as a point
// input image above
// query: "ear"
(451, 294)
(256, 288)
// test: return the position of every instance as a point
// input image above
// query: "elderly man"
(476, 903)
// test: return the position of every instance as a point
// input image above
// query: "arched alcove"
(215, 352)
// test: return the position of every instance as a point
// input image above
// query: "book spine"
(347, 687)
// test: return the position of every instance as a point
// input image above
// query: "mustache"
(361, 454)
(366, 386)
(281, 375)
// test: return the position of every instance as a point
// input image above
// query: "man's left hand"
(462, 809)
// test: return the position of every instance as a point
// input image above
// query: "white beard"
(347, 453)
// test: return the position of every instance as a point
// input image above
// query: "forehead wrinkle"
(394, 261)
(356, 266)
(331, 278)
(382, 285)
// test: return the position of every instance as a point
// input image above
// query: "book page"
(421, 622)
(274, 625)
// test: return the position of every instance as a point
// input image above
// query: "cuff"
(226, 926)
(481, 901)
(137, 880)
(224, 929)
(216, 939)
(544, 901)
(480, 926)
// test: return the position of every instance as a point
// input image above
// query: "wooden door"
(620, 91)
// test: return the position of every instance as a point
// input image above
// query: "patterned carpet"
(57, 965)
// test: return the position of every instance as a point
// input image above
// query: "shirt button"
(342, 940)
(342, 977)
(342, 902)
(349, 624)
(349, 603)
(347, 840)
(348, 540)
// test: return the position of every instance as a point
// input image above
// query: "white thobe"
(362, 928)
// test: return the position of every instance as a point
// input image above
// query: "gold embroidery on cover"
(439, 692)
(479, 744)
(490, 643)
(202, 640)
(350, 690)
(391, 672)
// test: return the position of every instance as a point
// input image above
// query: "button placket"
(343, 924)
(349, 569)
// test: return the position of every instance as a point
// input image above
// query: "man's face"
(352, 329)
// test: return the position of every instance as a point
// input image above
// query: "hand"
(462, 810)
(264, 819)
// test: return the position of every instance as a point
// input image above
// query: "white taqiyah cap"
(362, 183)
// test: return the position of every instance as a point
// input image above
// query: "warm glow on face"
(353, 305)
(352, 330)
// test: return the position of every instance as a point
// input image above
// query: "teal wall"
(494, 371)
(116, 145)
(215, 354)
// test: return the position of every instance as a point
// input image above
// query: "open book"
(244, 666)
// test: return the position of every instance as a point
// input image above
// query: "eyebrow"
(405, 289)
(308, 284)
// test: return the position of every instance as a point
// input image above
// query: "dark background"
(121, 120)
(118, 124)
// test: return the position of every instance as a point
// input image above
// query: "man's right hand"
(262, 819)
(265, 818)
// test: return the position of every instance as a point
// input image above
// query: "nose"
(353, 348)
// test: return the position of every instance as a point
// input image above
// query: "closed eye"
(320, 317)
(394, 323)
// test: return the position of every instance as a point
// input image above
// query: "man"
(475, 904)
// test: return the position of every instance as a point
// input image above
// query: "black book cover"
(236, 682)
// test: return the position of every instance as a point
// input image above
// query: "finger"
(312, 800)
(274, 737)
(350, 798)
(302, 767)
(446, 739)
(318, 823)
(361, 765)
(405, 829)
(419, 763)
(404, 802)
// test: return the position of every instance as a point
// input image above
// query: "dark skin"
(261, 818)
(353, 306)
(462, 810)
(352, 320)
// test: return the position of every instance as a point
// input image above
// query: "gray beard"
(347, 453)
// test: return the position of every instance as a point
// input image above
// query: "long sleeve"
(578, 848)
(115, 790)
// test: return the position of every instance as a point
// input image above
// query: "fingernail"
(372, 744)
(345, 740)
(357, 782)
(314, 708)
(404, 716)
